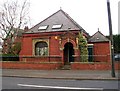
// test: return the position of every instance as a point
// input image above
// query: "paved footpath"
(61, 74)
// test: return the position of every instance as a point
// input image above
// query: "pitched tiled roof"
(98, 37)
(60, 17)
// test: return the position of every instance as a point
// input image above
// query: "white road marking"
(56, 87)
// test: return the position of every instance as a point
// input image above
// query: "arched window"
(41, 48)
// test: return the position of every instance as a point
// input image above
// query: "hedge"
(9, 57)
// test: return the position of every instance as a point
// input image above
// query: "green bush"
(83, 48)
(16, 48)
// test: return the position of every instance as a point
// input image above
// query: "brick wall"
(94, 66)
(57, 65)
(27, 44)
(31, 65)
(26, 48)
(54, 46)
(117, 65)
(40, 59)
(101, 52)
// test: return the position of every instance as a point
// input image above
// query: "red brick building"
(55, 40)
(101, 47)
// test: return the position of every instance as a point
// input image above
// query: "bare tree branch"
(13, 15)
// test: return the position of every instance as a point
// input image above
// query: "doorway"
(68, 53)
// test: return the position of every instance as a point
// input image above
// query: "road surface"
(37, 83)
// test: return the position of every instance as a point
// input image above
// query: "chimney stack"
(26, 28)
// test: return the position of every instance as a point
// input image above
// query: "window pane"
(56, 26)
(41, 48)
(43, 27)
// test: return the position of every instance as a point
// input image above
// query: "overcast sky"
(89, 14)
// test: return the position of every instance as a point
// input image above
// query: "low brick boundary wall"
(31, 65)
(40, 58)
(94, 66)
(117, 65)
(58, 65)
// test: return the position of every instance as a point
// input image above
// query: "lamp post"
(111, 39)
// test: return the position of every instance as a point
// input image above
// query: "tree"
(116, 39)
(83, 48)
(116, 43)
(13, 16)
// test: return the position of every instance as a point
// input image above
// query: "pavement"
(61, 74)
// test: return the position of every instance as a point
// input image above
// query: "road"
(37, 83)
